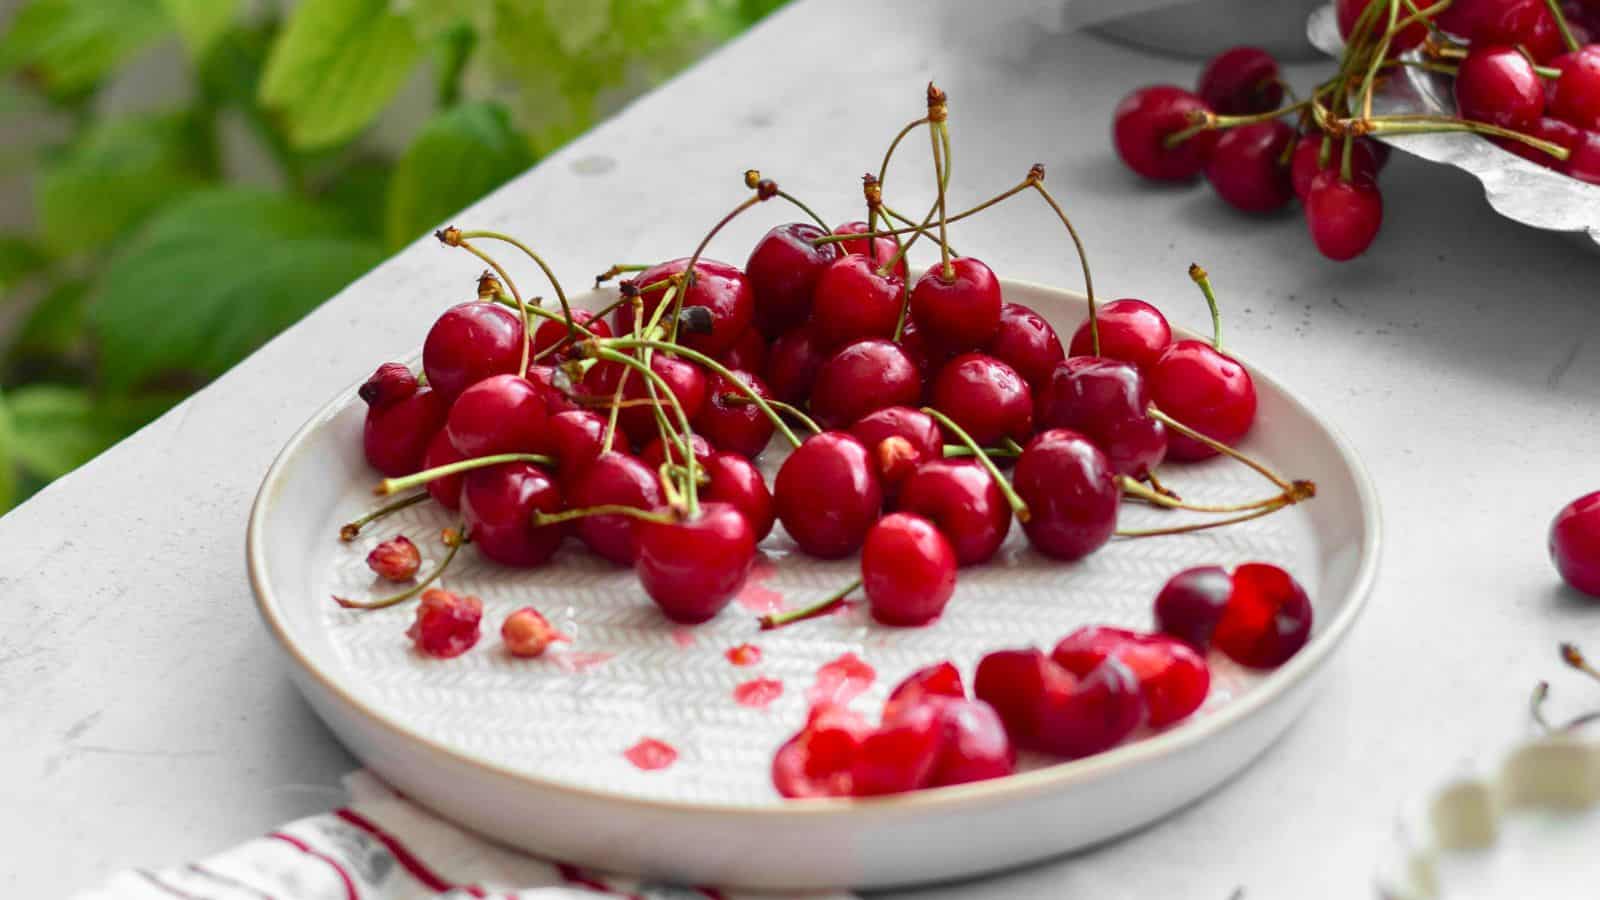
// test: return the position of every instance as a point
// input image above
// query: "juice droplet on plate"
(758, 692)
(756, 596)
(744, 655)
(577, 662)
(841, 680)
(651, 755)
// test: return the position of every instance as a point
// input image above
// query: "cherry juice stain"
(577, 662)
(744, 655)
(683, 636)
(651, 755)
(841, 680)
(758, 692)
(756, 596)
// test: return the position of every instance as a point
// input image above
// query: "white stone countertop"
(147, 718)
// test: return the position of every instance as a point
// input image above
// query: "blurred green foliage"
(151, 268)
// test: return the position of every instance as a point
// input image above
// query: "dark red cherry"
(1520, 23)
(908, 570)
(1130, 330)
(1575, 96)
(1191, 603)
(1013, 683)
(394, 437)
(498, 504)
(1071, 492)
(1553, 130)
(718, 287)
(391, 383)
(692, 567)
(1146, 118)
(554, 331)
(1584, 163)
(1240, 81)
(792, 364)
(1498, 85)
(748, 353)
(962, 500)
(881, 250)
(938, 680)
(470, 342)
(1206, 390)
(926, 355)
(638, 421)
(1107, 401)
(445, 491)
(554, 387)
(1343, 216)
(500, 414)
(731, 424)
(1267, 620)
(827, 495)
(1044, 707)
(1173, 678)
(961, 312)
(975, 746)
(863, 377)
(853, 301)
(1247, 166)
(657, 451)
(1026, 342)
(574, 439)
(616, 479)
(919, 439)
(1365, 161)
(783, 270)
(1349, 11)
(985, 397)
(818, 761)
(1463, 17)
(1575, 543)
(734, 481)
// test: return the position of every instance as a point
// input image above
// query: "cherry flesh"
(1146, 118)
(852, 301)
(986, 397)
(1026, 342)
(1108, 401)
(793, 361)
(396, 559)
(718, 287)
(1498, 85)
(961, 312)
(1267, 619)
(863, 377)
(498, 503)
(1246, 167)
(470, 342)
(827, 494)
(1130, 330)
(1575, 543)
(446, 625)
(1071, 492)
(783, 270)
(1343, 216)
(1173, 678)
(899, 755)
(908, 570)
(395, 436)
(734, 481)
(818, 760)
(1191, 603)
(1207, 390)
(963, 501)
(527, 633)
(1240, 81)
(500, 414)
(615, 479)
(692, 568)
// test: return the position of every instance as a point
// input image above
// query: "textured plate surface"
(558, 726)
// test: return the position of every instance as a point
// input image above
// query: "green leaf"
(459, 156)
(8, 461)
(20, 257)
(201, 22)
(55, 326)
(361, 191)
(56, 428)
(68, 46)
(334, 67)
(215, 274)
(116, 174)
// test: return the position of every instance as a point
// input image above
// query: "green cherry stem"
(618, 269)
(541, 519)
(788, 409)
(1424, 124)
(765, 189)
(351, 529)
(1135, 488)
(1572, 656)
(1018, 505)
(892, 213)
(1378, 56)
(1561, 22)
(957, 451)
(752, 180)
(821, 607)
(1214, 122)
(924, 228)
(883, 169)
(454, 237)
(940, 147)
(453, 538)
(1295, 491)
(1202, 526)
(1036, 181)
(561, 295)
(691, 500)
(1200, 277)
(396, 485)
(720, 369)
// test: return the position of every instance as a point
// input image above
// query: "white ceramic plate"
(531, 751)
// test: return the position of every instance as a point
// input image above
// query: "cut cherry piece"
(986, 397)
(446, 625)
(975, 746)
(899, 755)
(692, 567)
(1343, 216)
(961, 311)
(793, 361)
(1173, 678)
(1071, 492)
(1247, 169)
(729, 421)
(1014, 683)
(1498, 85)
(1365, 161)
(908, 570)
(396, 559)
(963, 501)
(1146, 118)
(938, 680)
(852, 302)
(445, 490)
(734, 481)
(716, 286)
(881, 250)
(1267, 619)
(470, 342)
(391, 383)
(748, 353)
(498, 503)
(1575, 543)
(819, 759)
(783, 270)
(1107, 401)
(1207, 390)
(659, 451)
(1026, 342)
(574, 438)
(827, 494)
(551, 332)
(527, 633)
(395, 436)
(864, 377)
(1130, 330)
(1191, 603)
(1044, 707)
(1240, 81)
(1575, 95)
(613, 479)
(1349, 11)
(500, 414)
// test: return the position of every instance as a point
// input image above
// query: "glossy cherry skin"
(1173, 678)
(899, 755)
(927, 355)
(1553, 130)
(1584, 163)
(920, 440)
(1246, 167)
(1463, 17)
(618, 479)
(658, 451)
(391, 383)
(748, 353)
(394, 437)
(445, 491)
(986, 397)
(976, 746)
(1575, 543)
(1499, 86)
(938, 680)
(1206, 390)
(1071, 492)
(1044, 707)
(1365, 161)
(908, 570)
(554, 331)
(1343, 216)
(554, 387)
(1106, 400)
(500, 414)
(819, 760)
(733, 480)
(1191, 603)
(470, 342)
(793, 361)
(881, 250)
(1130, 330)
(961, 312)
(498, 503)
(1525, 23)
(962, 500)
(852, 301)
(1267, 619)
(1575, 96)
(573, 438)
(719, 287)
(827, 495)
(691, 568)
(1240, 81)
(686, 381)
(1146, 118)
(1348, 11)
(737, 427)
(1026, 342)
(863, 377)
(783, 270)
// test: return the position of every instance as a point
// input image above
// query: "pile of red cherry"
(1525, 74)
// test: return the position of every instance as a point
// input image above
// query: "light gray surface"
(146, 715)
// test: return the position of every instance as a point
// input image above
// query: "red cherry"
(1499, 86)
(731, 425)
(1349, 11)
(1146, 118)
(691, 568)
(818, 760)
(1071, 492)
(734, 481)
(1463, 17)
(1343, 216)
(1208, 391)
(852, 301)
(1525, 23)
(918, 439)
(1044, 707)
(1240, 81)
(500, 414)
(827, 495)
(1013, 683)
(1365, 161)
(1575, 543)
(792, 364)
(986, 397)
(926, 355)
(938, 680)
(445, 491)
(1575, 96)
(447, 624)
(574, 439)
(1191, 603)
(686, 380)
(1267, 620)
(975, 746)
(908, 570)
(900, 755)
(554, 331)
(657, 452)
(1584, 163)
(1130, 330)
(1173, 678)
(1553, 130)
(470, 342)
(963, 501)
(396, 559)
(554, 387)
(1107, 401)
(391, 383)
(1247, 169)
(615, 479)
(748, 353)
(863, 377)
(717, 286)
(783, 270)
(881, 250)
(1026, 342)
(498, 504)
(961, 312)
(395, 437)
